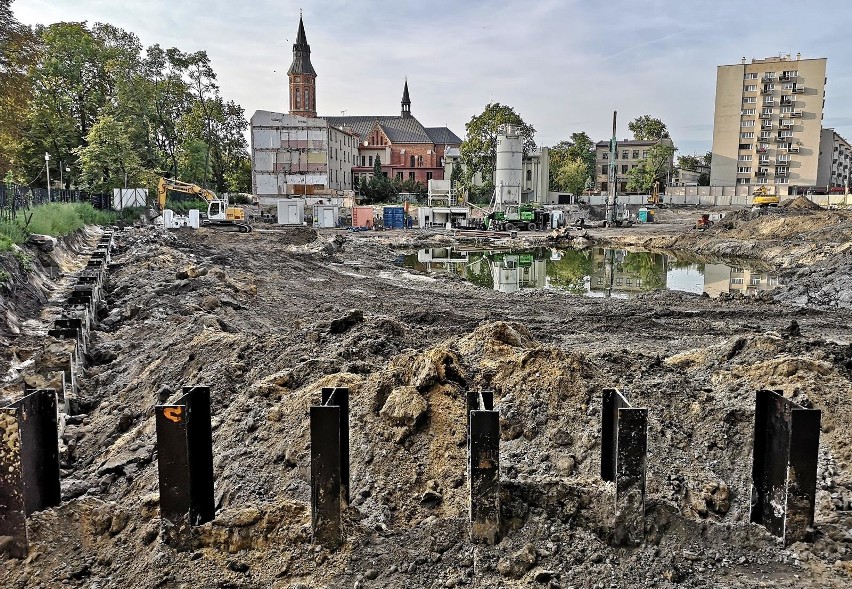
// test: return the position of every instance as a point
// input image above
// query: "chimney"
(798, 56)
(744, 60)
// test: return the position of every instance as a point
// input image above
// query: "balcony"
(788, 101)
(793, 149)
(767, 89)
(765, 115)
(785, 78)
(769, 79)
(798, 89)
(766, 126)
(783, 139)
(785, 125)
(782, 173)
(796, 114)
(768, 101)
(763, 173)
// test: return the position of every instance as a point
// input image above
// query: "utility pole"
(612, 195)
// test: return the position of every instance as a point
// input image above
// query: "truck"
(523, 217)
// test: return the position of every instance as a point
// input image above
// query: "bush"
(182, 207)
(55, 219)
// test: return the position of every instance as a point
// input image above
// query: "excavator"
(219, 213)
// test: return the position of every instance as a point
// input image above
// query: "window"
(769, 75)
(750, 99)
(766, 134)
(605, 155)
(307, 99)
(371, 160)
(737, 280)
(764, 160)
(748, 123)
(747, 135)
(428, 176)
(529, 175)
(644, 153)
(786, 109)
(745, 145)
(604, 169)
(743, 180)
(411, 175)
(636, 154)
(782, 180)
(768, 100)
(624, 169)
(788, 86)
(763, 180)
(298, 99)
(750, 88)
(781, 170)
(412, 161)
(600, 281)
(766, 110)
(625, 155)
(744, 170)
(399, 175)
(786, 133)
(783, 158)
(750, 76)
(748, 111)
(745, 158)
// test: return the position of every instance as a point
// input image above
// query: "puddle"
(596, 272)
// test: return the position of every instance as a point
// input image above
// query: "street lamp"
(47, 167)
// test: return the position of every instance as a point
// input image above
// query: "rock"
(543, 576)
(238, 567)
(210, 302)
(404, 406)
(431, 499)
(347, 322)
(238, 518)
(45, 243)
(371, 574)
(517, 564)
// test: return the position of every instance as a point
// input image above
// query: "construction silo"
(509, 171)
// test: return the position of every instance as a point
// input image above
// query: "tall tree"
(108, 160)
(18, 51)
(688, 162)
(579, 147)
(648, 128)
(479, 149)
(651, 169)
(572, 175)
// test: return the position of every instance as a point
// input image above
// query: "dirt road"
(266, 319)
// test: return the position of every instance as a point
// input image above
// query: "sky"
(563, 65)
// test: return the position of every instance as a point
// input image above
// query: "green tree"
(456, 174)
(18, 51)
(579, 147)
(704, 179)
(689, 162)
(572, 176)
(648, 128)
(708, 157)
(652, 169)
(479, 149)
(109, 158)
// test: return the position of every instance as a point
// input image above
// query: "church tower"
(406, 101)
(303, 98)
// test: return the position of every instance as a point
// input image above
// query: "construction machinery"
(518, 217)
(762, 198)
(703, 222)
(219, 213)
(654, 197)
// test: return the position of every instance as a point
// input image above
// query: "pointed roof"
(405, 98)
(301, 54)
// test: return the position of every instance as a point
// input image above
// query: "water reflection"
(599, 272)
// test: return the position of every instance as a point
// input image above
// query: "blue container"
(393, 217)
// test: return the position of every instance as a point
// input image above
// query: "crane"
(219, 213)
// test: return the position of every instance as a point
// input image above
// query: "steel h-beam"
(484, 466)
(185, 460)
(624, 453)
(29, 464)
(784, 467)
(329, 465)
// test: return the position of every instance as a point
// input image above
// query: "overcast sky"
(564, 65)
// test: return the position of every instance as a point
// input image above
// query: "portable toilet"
(645, 215)
(362, 216)
(393, 217)
(291, 211)
(325, 216)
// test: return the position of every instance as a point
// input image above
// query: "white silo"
(509, 170)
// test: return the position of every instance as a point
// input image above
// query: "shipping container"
(363, 217)
(393, 217)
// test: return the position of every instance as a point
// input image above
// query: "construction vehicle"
(219, 213)
(654, 197)
(703, 222)
(762, 198)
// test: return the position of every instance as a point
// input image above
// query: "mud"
(269, 318)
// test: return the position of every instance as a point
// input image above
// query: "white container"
(194, 218)
(325, 216)
(291, 211)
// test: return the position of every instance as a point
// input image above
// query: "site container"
(291, 211)
(325, 216)
(362, 216)
(393, 217)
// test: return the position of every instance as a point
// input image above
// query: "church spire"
(302, 77)
(406, 101)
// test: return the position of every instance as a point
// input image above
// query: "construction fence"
(15, 197)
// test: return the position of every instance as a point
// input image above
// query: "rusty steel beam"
(786, 447)
(326, 475)
(484, 468)
(185, 464)
(611, 402)
(29, 464)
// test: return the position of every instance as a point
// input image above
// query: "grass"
(182, 207)
(56, 219)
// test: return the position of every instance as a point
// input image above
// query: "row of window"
(604, 170)
(627, 282)
(413, 161)
(771, 75)
(779, 180)
(786, 133)
(625, 154)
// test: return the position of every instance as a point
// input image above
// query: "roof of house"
(398, 129)
(301, 54)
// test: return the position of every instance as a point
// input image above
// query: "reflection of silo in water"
(510, 159)
(506, 276)
(517, 271)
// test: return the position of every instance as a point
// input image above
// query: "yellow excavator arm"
(168, 184)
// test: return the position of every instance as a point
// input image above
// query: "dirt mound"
(801, 203)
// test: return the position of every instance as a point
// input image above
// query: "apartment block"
(835, 160)
(768, 122)
(629, 154)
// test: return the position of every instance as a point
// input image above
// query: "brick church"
(406, 149)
